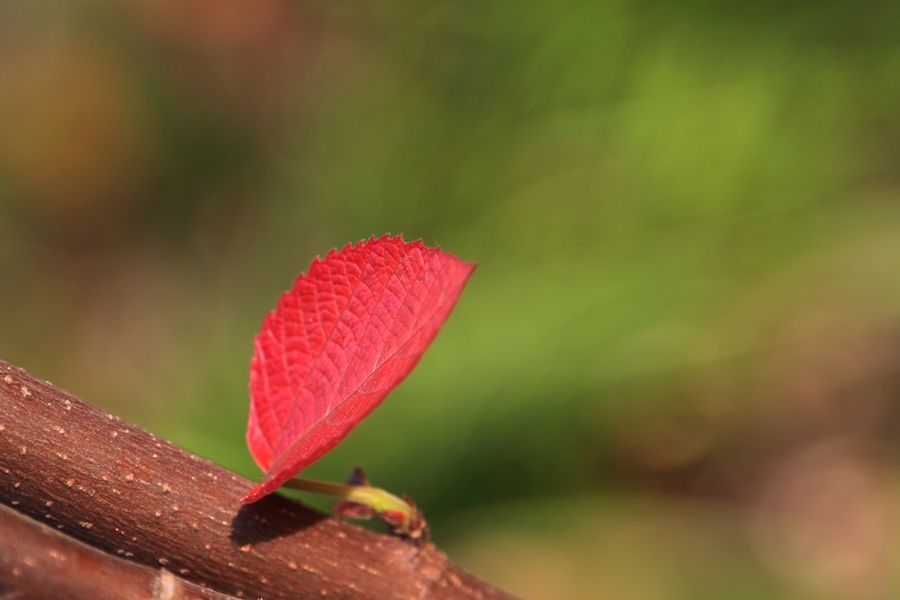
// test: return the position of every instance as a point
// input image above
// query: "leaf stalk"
(364, 501)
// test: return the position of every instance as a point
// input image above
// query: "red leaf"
(338, 342)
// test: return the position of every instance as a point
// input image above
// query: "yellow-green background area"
(675, 373)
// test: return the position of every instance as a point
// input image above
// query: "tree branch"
(39, 562)
(120, 489)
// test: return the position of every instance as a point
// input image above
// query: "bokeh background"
(675, 373)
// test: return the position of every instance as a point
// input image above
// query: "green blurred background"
(676, 372)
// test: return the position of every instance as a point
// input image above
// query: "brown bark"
(38, 562)
(118, 488)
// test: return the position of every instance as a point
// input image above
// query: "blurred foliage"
(676, 371)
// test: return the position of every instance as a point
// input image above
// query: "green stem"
(377, 499)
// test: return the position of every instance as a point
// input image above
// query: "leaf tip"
(259, 492)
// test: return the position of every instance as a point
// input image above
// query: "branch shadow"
(272, 517)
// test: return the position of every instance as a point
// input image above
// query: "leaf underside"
(338, 342)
